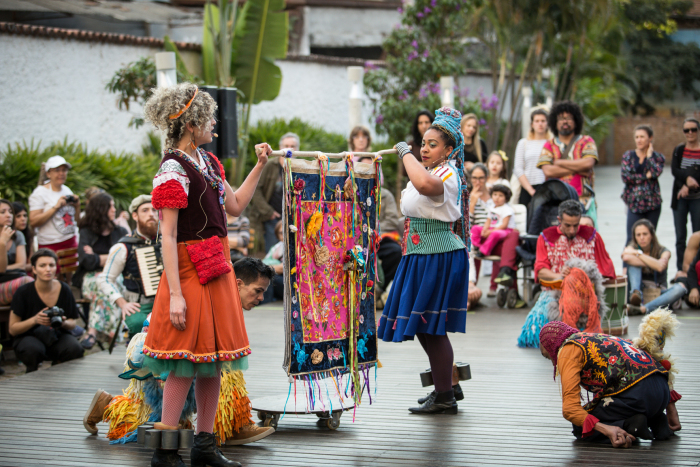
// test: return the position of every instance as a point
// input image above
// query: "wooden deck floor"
(511, 414)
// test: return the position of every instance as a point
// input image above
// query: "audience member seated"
(474, 293)
(498, 170)
(13, 255)
(570, 240)
(275, 259)
(691, 281)
(253, 278)
(53, 208)
(238, 236)
(21, 224)
(98, 234)
(568, 289)
(389, 252)
(500, 222)
(39, 332)
(647, 267)
(265, 208)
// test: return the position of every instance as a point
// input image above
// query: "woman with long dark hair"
(647, 263)
(13, 257)
(21, 224)
(420, 125)
(97, 235)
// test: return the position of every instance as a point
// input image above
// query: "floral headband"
(184, 109)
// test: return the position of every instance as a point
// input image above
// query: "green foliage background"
(124, 176)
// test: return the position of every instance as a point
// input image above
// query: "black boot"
(167, 458)
(205, 453)
(459, 394)
(637, 427)
(438, 402)
(659, 427)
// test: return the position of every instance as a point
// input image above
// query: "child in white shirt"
(500, 222)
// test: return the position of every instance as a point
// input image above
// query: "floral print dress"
(642, 194)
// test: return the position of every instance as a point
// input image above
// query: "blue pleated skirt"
(429, 295)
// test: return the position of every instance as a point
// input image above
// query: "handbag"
(209, 260)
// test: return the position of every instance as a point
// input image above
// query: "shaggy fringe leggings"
(440, 355)
(206, 392)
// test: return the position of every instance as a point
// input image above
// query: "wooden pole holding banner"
(339, 155)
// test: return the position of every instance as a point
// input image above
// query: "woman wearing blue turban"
(429, 293)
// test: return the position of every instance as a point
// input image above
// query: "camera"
(56, 315)
(71, 199)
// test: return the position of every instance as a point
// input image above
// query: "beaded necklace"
(208, 174)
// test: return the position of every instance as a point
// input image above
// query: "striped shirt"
(527, 153)
(691, 157)
(481, 212)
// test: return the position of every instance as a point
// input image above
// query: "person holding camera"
(53, 209)
(43, 315)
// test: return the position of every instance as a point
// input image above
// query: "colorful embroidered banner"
(330, 269)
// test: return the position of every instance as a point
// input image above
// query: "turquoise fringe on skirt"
(187, 368)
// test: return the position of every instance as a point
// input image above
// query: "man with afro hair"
(570, 155)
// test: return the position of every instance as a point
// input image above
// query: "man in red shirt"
(570, 240)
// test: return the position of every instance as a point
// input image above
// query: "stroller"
(541, 213)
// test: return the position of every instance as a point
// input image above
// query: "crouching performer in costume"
(135, 302)
(429, 296)
(142, 401)
(572, 264)
(197, 325)
(631, 382)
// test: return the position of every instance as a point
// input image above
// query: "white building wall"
(51, 89)
(349, 27)
(316, 93)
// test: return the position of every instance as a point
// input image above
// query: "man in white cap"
(134, 303)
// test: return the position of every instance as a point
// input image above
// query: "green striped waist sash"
(429, 236)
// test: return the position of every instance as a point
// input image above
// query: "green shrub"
(313, 138)
(124, 176)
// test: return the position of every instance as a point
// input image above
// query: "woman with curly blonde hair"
(197, 325)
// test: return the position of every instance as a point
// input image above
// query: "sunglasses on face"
(690, 130)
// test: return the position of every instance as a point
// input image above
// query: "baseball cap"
(54, 162)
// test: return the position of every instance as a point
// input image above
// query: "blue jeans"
(667, 297)
(680, 219)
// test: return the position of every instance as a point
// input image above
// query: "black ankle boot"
(206, 453)
(459, 394)
(637, 427)
(438, 402)
(167, 458)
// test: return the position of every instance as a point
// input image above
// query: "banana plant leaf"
(260, 38)
(211, 16)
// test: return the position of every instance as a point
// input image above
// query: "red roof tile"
(89, 36)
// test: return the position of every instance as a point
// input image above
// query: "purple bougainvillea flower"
(379, 119)
(433, 3)
(482, 121)
(427, 10)
(414, 43)
(419, 15)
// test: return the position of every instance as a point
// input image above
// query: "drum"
(616, 322)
